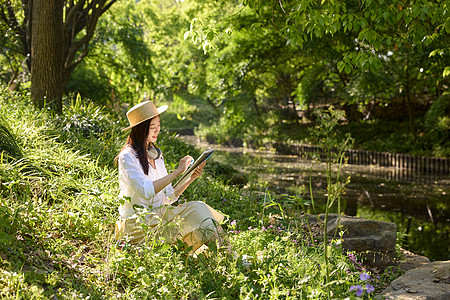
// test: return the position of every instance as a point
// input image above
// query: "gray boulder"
(364, 235)
(375, 240)
(428, 282)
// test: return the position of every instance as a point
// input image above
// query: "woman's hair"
(137, 140)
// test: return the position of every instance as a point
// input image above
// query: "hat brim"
(160, 110)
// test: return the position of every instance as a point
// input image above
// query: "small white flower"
(246, 260)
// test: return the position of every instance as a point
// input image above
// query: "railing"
(419, 164)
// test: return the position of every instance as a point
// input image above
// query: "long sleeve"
(137, 186)
(133, 173)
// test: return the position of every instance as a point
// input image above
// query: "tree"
(54, 36)
(377, 28)
(120, 67)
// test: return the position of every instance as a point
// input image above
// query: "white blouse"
(139, 187)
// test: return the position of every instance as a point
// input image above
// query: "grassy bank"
(59, 205)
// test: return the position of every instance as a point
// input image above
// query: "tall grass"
(59, 205)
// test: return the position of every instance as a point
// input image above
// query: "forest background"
(251, 73)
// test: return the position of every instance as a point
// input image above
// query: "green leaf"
(146, 280)
(407, 19)
(210, 35)
(4, 237)
(340, 66)
(447, 25)
(321, 21)
(348, 69)
(363, 23)
(435, 52)
(446, 72)
(137, 207)
(317, 33)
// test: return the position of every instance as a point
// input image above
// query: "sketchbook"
(187, 174)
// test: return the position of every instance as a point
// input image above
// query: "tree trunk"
(47, 84)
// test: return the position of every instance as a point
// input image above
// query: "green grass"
(59, 205)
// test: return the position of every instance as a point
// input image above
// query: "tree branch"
(77, 19)
(21, 30)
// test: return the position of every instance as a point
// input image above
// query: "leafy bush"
(89, 128)
(437, 124)
(8, 144)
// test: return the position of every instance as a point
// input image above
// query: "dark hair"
(137, 140)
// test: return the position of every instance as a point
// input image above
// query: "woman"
(145, 187)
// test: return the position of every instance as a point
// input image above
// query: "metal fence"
(419, 164)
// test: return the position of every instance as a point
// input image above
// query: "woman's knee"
(198, 204)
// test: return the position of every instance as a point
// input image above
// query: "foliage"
(437, 113)
(120, 60)
(72, 26)
(346, 52)
(89, 127)
(8, 144)
(437, 124)
(375, 25)
(332, 152)
(253, 86)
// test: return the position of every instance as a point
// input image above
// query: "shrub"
(437, 124)
(8, 144)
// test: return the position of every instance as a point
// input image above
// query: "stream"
(419, 204)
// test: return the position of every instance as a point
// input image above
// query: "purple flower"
(369, 288)
(359, 291)
(358, 288)
(233, 223)
(364, 276)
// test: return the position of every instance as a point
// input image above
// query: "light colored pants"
(193, 222)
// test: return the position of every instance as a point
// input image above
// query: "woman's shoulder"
(127, 153)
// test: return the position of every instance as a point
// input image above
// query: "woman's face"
(155, 127)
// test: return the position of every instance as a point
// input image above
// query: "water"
(419, 204)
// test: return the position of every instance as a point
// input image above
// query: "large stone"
(375, 240)
(364, 235)
(428, 282)
(411, 260)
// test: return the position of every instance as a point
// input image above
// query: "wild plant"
(332, 153)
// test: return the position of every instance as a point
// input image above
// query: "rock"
(428, 282)
(365, 235)
(373, 239)
(411, 260)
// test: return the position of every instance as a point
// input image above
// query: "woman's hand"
(184, 163)
(198, 171)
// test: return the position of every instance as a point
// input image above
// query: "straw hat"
(142, 112)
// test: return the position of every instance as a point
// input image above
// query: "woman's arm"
(197, 173)
(161, 183)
